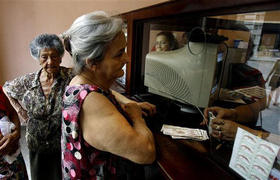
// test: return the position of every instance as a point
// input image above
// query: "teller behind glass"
(104, 135)
(37, 98)
(224, 126)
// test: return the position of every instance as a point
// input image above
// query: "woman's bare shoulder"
(96, 105)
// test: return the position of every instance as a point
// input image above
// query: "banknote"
(177, 132)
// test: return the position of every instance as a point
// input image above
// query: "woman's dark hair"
(173, 43)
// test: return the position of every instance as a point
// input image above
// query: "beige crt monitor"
(183, 75)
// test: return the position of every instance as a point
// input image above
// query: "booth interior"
(220, 60)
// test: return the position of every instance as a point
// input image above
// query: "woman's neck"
(47, 77)
(47, 80)
(89, 78)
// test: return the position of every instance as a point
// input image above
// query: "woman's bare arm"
(9, 142)
(14, 118)
(250, 112)
(22, 113)
(106, 129)
(121, 98)
(147, 108)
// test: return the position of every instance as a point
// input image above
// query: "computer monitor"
(189, 75)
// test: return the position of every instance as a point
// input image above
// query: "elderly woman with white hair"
(104, 135)
(37, 98)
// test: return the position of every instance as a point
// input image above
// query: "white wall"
(22, 20)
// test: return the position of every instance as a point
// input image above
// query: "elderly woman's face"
(162, 43)
(115, 58)
(50, 60)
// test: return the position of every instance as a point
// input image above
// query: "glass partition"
(190, 63)
(254, 55)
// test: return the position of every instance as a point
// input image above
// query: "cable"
(201, 114)
(223, 69)
(188, 43)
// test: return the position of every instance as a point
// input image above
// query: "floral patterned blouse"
(79, 159)
(43, 127)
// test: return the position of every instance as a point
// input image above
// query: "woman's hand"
(219, 112)
(114, 133)
(133, 111)
(14, 105)
(224, 129)
(9, 143)
(147, 108)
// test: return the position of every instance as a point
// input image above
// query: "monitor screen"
(218, 72)
(188, 74)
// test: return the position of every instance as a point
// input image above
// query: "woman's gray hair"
(89, 36)
(45, 41)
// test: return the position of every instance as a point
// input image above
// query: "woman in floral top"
(101, 139)
(37, 98)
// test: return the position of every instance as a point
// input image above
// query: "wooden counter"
(187, 159)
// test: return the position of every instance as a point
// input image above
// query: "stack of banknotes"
(177, 132)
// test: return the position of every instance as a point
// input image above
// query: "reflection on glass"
(263, 33)
(274, 83)
(232, 62)
(165, 41)
(253, 55)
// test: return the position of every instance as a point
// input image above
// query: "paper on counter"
(177, 132)
(252, 157)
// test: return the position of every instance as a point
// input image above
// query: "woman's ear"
(90, 65)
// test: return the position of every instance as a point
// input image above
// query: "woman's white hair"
(89, 36)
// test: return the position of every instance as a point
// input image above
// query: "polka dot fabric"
(79, 159)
